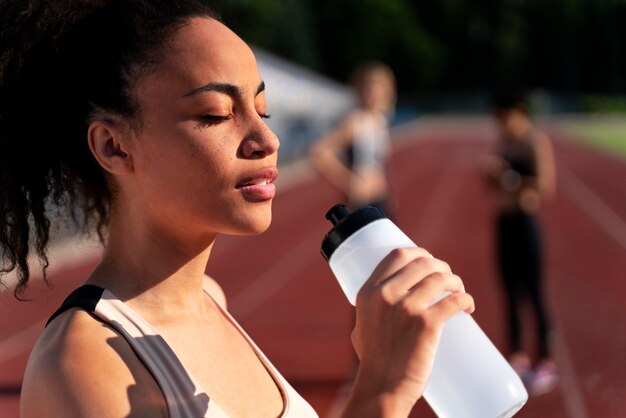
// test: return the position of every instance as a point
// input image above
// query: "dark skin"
(526, 192)
(511, 191)
(210, 148)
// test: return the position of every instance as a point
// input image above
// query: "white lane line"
(568, 382)
(439, 203)
(281, 273)
(610, 222)
(570, 389)
(18, 343)
(596, 208)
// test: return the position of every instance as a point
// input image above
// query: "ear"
(108, 143)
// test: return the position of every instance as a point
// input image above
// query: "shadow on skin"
(179, 391)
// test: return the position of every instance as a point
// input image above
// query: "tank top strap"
(183, 395)
(85, 297)
(370, 139)
(295, 406)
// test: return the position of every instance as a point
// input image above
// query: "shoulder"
(539, 139)
(82, 367)
(541, 145)
(358, 117)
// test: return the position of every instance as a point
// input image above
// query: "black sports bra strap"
(85, 297)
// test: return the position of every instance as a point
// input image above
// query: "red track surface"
(282, 292)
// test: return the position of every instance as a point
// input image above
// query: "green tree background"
(562, 46)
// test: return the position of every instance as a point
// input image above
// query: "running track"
(282, 292)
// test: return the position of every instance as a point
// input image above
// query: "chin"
(254, 223)
(259, 227)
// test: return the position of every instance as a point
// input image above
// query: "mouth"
(259, 186)
(262, 182)
(262, 177)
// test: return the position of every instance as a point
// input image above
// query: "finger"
(451, 305)
(401, 283)
(394, 261)
(433, 288)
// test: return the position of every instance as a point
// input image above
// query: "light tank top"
(184, 396)
(371, 144)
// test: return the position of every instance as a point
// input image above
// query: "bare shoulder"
(542, 146)
(354, 118)
(81, 367)
(541, 139)
(215, 290)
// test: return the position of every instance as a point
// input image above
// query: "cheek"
(195, 164)
(213, 157)
(206, 169)
(197, 150)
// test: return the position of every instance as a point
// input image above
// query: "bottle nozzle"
(337, 213)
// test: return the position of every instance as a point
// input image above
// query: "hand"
(492, 167)
(529, 199)
(398, 326)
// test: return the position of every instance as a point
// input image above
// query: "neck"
(520, 128)
(151, 265)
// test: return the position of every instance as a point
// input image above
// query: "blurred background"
(449, 54)
(448, 57)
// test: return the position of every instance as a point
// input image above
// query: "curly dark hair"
(509, 98)
(62, 64)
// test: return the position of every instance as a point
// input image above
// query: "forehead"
(204, 51)
(376, 77)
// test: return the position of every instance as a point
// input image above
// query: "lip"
(259, 185)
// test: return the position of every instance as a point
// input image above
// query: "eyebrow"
(225, 88)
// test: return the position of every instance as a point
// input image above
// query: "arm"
(546, 171)
(543, 185)
(492, 168)
(82, 368)
(325, 155)
(397, 331)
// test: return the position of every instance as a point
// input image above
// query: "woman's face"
(513, 122)
(376, 91)
(204, 158)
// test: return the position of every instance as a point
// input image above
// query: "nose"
(260, 142)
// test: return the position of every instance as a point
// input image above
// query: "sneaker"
(543, 378)
(520, 362)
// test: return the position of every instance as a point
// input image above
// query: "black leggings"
(384, 204)
(520, 262)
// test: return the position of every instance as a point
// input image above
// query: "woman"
(149, 114)
(353, 156)
(522, 175)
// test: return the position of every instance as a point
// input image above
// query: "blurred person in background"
(353, 156)
(160, 139)
(521, 176)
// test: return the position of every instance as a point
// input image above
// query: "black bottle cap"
(345, 224)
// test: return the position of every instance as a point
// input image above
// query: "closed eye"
(265, 115)
(210, 120)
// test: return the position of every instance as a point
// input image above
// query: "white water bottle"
(470, 377)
